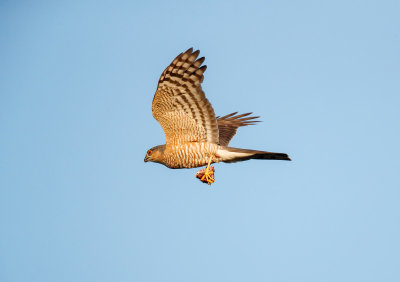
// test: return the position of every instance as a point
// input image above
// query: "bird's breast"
(189, 154)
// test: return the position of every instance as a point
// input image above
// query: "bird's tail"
(232, 155)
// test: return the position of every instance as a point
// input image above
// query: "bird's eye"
(149, 152)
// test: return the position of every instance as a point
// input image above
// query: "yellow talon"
(208, 174)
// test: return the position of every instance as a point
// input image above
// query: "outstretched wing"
(180, 105)
(228, 125)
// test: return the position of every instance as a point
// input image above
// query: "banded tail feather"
(232, 155)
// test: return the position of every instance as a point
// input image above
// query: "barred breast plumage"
(190, 154)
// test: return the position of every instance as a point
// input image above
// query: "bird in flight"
(195, 137)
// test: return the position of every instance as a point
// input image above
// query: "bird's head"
(155, 154)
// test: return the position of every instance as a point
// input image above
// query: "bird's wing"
(180, 105)
(228, 125)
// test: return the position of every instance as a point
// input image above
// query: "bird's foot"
(206, 175)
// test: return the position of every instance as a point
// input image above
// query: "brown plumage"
(194, 135)
(228, 125)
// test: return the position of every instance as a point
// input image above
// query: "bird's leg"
(208, 174)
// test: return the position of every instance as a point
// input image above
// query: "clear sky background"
(77, 202)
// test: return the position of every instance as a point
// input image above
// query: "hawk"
(195, 137)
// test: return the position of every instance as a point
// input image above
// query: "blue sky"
(77, 203)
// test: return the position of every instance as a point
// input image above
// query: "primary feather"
(228, 125)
